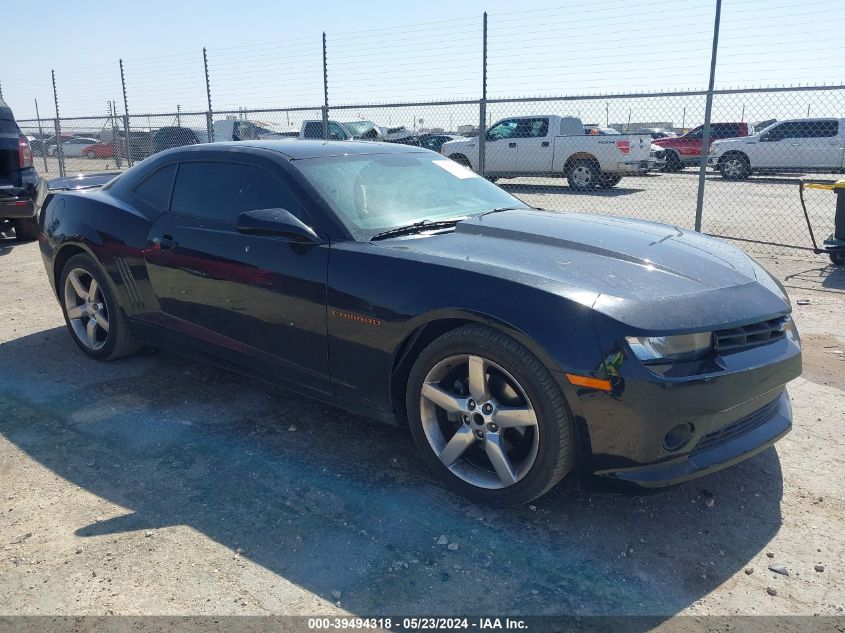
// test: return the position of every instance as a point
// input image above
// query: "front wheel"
(583, 175)
(606, 181)
(734, 167)
(92, 313)
(488, 418)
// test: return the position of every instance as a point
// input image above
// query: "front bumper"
(775, 421)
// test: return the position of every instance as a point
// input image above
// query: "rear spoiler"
(82, 181)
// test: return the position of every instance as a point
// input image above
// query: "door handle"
(511, 144)
(544, 144)
(164, 243)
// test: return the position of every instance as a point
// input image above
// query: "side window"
(538, 128)
(820, 129)
(503, 129)
(155, 190)
(222, 191)
(725, 130)
(335, 132)
(696, 133)
(784, 131)
(313, 129)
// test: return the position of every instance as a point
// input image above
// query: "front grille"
(737, 338)
(735, 429)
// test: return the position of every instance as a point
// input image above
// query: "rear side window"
(8, 127)
(822, 129)
(155, 189)
(222, 191)
(726, 130)
(313, 129)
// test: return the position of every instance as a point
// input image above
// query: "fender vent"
(129, 283)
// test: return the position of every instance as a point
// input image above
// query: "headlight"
(712, 149)
(666, 348)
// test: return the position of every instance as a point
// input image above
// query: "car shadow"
(334, 502)
(527, 188)
(8, 242)
(818, 278)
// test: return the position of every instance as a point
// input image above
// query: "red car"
(685, 150)
(101, 150)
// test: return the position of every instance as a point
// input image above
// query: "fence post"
(325, 91)
(59, 151)
(41, 139)
(209, 120)
(115, 135)
(708, 108)
(126, 117)
(482, 106)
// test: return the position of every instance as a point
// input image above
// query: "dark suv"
(18, 180)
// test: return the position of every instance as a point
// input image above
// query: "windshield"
(372, 193)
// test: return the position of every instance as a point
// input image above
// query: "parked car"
(548, 145)
(39, 142)
(313, 129)
(235, 130)
(103, 150)
(140, 144)
(72, 146)
(432, 141)
(794, 145)
(18, 179)
(656, 132)
(353, 130)
(685, 150)
(530, 342)
(170, 137)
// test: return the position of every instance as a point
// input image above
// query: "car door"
(821, 145)
(780, 147)
(500, 150)
(534, 146)
(258, 301)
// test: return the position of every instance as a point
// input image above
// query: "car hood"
(651, 276)
(670, 141)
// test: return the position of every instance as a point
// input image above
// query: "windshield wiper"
(500, 209)
(416, 227)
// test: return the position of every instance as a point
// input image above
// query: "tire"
(538, 443)
(838, 258)
(606, 181)
(91, 154)
(26, 229)
(734, 167)
(51, 151)
(583, 175)
(109, 343)
(673, 162)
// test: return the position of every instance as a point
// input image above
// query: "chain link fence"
(637, 153)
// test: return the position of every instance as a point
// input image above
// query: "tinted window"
(155, 189)
(532, 128)
(816, 129)
(791, 129)
(222, 191)
(726, 130)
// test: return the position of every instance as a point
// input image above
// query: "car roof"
(296, 149)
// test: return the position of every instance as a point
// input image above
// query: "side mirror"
(767, 137)
(276, 222)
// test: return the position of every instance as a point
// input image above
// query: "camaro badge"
(357, 317)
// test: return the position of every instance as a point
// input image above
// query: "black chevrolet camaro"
(517, 344)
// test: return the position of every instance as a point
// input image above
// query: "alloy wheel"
(582, 176)
(86, 309)
(479, 421)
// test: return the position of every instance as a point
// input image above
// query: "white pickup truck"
(548, 145)
(796, 145)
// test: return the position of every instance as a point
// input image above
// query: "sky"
(269, 55)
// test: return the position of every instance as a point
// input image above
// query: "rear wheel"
(583, 175)
(26, 229)
(92, 313)
(606, 181)
(734, 167)
(488, 417)
(90, 154)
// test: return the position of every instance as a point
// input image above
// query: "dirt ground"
(154, 485)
